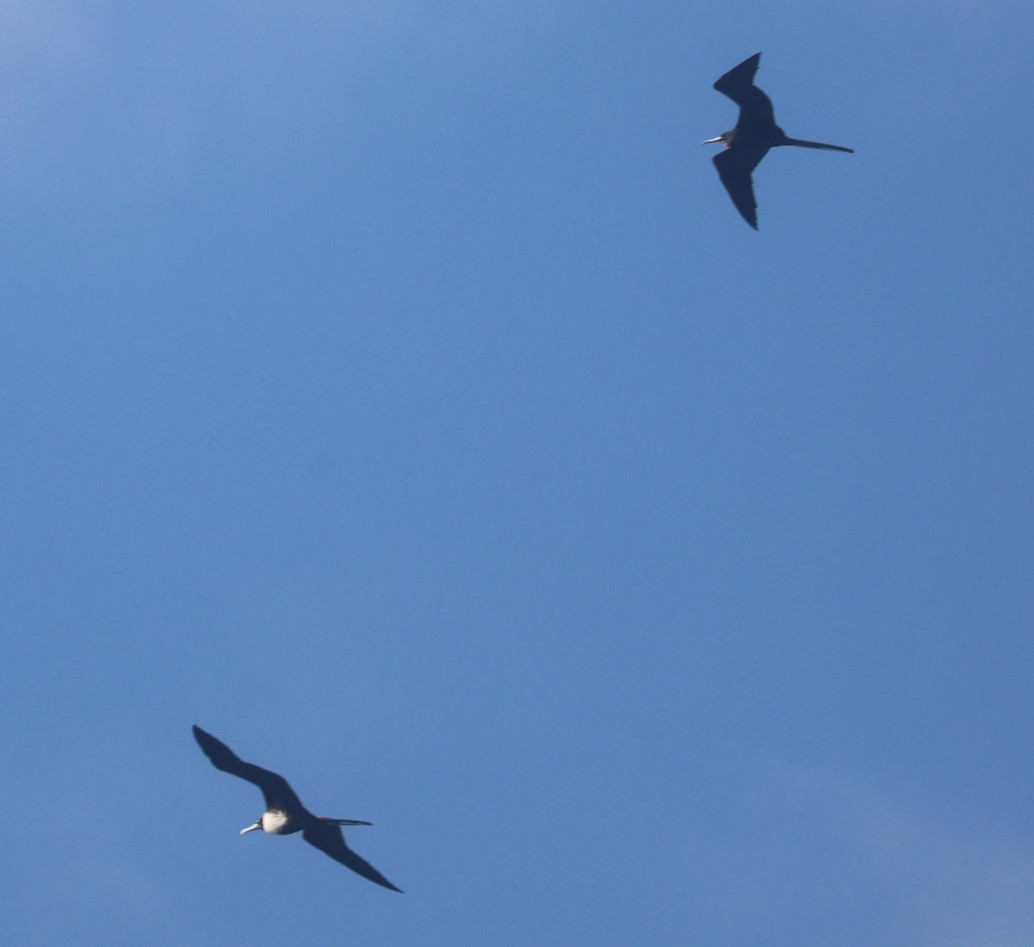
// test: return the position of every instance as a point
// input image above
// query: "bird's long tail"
(801, 143)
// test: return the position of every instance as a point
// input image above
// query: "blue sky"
(392, 390)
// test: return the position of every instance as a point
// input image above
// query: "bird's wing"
(329, 838)
(735, 166)
(738, 85)
(276, 790)
(738, 79)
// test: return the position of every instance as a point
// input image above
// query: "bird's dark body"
(756, 132)
(285, 813)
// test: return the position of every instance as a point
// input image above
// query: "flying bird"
(749, 142)
(285, 813)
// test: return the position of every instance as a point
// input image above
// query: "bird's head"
(725, 138)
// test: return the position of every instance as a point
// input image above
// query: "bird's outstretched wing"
(738, 85)
(738, 79)
(328, 838)
(735, 166)
(276, 790)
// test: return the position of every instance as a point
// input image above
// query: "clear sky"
(391, 388)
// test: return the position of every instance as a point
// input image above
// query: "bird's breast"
(276, 823)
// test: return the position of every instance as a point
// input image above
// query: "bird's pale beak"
(713, 141)
(252, 828)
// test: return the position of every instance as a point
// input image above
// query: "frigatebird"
(285, 813)
(749, 142)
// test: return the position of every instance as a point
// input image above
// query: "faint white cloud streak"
(45, 39)
(48, 50)
(130, 101)
(946, 878)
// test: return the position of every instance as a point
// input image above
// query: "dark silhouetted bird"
(285, 813)
(749, 142)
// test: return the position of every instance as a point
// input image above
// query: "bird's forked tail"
(801, 143)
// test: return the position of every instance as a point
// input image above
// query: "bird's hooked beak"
(714, 141)
(252, 828)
